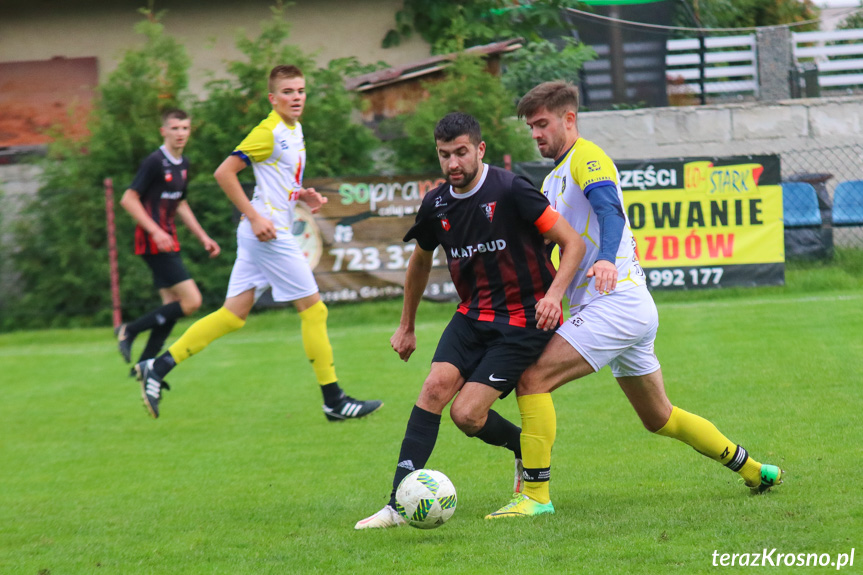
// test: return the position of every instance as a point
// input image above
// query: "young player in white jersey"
(613, 318)
(268, 256)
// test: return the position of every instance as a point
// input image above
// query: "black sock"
(501, 432)
(332, 394)
(157, 338)
(163, 364)
(417, 446)
(159, 316)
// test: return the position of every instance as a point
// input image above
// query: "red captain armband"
(548, 218)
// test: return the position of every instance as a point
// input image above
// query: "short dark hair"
(457, 124)
(283, 72)
(556, 97)
(174, 114)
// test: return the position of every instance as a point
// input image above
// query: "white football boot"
(386, 517)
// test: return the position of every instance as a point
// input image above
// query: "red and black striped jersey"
(492, 236)
(161, 183)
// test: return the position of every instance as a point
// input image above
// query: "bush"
(61, 234)
(466, 88)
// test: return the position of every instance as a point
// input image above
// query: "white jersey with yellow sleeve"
(583, 167)
(277, 153)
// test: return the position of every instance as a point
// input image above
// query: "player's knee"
(654, 421)
(435, 395)
(191, 303)
(466, 419)
(316, 313)
(651, 426)
(529, 383)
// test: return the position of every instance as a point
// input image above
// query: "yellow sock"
(751, 472)
(316, 342)
(539, 427)
(703, 436)
(203, 332)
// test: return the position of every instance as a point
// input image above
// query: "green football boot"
(522, 506)
(770, 477)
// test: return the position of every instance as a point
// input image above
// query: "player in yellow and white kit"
(613, 319)
(268, 256)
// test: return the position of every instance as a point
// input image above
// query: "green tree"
(453, 25)
(335, 143)
(745, 13)
(543, 61)
(61, 235)
(445, 23)
(237, 104)
(469, 88)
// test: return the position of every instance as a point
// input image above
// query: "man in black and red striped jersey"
(493, 227)
(157, 194)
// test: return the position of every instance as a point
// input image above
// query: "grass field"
(242, 474)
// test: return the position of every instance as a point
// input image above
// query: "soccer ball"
(426, 499)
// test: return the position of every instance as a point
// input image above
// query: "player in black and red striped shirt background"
(156, 196)
(493, 227)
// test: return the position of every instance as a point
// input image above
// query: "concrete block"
(770, 122)
(692, 125)
(611, 128)
(836, 120)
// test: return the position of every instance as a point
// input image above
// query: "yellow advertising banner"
(707, 222)
(698, 222)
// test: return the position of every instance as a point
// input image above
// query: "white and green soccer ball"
(426, 499)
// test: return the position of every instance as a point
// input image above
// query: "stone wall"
(795, 129)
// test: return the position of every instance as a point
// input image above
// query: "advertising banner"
(706, 222)
(354, 243)
(698, 222)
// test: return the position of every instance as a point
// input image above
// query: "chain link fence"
(823, 201)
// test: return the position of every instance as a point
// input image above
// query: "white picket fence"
(834, 55)
(731, 67)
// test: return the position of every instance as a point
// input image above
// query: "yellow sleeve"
(258, 145)
(593, 167)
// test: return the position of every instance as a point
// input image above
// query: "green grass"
(242, 474)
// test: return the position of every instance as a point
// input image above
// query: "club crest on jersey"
(488, 210)
(183, 172)
(444, 223)
(169, 177)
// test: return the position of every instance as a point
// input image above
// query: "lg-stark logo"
(488, 210)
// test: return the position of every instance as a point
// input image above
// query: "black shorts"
(494, 354)
(168, 269)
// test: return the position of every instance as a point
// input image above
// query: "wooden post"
(112, 252)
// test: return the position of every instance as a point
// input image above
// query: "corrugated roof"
(423, 67)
